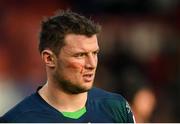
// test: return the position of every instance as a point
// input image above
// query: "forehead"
(81, 42)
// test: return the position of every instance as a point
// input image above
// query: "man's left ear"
(48, 58)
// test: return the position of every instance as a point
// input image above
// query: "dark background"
(139, 48)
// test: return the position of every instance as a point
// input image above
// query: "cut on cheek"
(75, 65)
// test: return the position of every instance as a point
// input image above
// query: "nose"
(91, 61)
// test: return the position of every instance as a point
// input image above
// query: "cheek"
(76, 66)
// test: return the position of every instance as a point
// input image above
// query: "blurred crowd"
(139, 56)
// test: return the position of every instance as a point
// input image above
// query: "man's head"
(55, 28)
(69, 47)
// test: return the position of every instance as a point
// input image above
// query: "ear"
(49, 58)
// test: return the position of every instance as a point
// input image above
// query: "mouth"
(88, 77)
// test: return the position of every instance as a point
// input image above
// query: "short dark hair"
(55, 28)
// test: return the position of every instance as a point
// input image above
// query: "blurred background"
(139, 58)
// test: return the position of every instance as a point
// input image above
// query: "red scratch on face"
(76, 65)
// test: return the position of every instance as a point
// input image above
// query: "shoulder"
(105, 99)
(100, 94)
(27, 105)
(115, 105)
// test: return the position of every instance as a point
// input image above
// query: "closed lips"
(88, 75)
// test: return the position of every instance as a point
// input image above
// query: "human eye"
(96, 52)
(80, 55)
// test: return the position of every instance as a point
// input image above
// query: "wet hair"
(55, 28)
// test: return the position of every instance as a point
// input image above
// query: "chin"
(87, 85)
(87, 88)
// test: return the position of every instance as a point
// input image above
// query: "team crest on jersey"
(128, 107)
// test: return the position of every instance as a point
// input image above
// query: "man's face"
(76, 63)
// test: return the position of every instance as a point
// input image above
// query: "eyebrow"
(85, 51)
(97, 50)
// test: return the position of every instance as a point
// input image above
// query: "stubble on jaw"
(66, 85)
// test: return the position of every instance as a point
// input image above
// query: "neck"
(62, 101)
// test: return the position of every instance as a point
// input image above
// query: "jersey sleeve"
(129, 115)
(123, 112)
(119, 110)
(1, 121)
